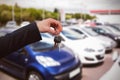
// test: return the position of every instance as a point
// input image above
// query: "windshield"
(117, 26)
(71, 34)
(98, 30)
(90, 31)
(43, 46)
(114, 29)
(101, 30)
(107, 30)
(82, 35)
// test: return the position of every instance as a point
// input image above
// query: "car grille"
(77, 77)
(100, 50)
(89, 59)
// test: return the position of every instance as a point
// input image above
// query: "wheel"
(33, 75)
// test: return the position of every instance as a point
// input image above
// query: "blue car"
(40, 61)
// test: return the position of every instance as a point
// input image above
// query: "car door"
(15, 63)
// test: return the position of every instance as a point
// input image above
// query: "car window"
(117, 26)
(99, 30)
(77, 31)
(106, 29)
(112, 28)
(71, 34)
(90, 31)
(82, 35)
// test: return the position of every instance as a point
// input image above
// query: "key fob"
(57, 39)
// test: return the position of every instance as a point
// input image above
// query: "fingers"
(53, 32)
(56, 25)
(50, 25)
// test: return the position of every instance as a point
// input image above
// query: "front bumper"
(76, 74)
(92, 59)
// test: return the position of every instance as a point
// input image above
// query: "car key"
(57, 41)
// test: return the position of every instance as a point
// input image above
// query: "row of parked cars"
(42, 61)
(11, 26)
(87, 44)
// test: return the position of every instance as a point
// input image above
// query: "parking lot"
(89, 72)
(87, 48)
(93, 72)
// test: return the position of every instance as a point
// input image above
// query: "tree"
(5, 16)
(56, 10)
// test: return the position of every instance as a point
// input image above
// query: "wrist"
(38, 25)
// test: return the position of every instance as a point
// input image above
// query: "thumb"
(53, 31)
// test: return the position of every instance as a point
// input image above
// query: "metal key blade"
(59, 46)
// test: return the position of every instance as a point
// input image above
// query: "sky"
(70, 5)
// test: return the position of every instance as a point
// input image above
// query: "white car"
(11, 24)
(89, 52)
(108, 43)
(10, 27)
(83, 47)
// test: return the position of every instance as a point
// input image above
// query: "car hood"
(103, 38)
(118, 36)
(106, 41)
(64, 57)
(80, 45)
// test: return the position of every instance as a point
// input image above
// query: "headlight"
(89, 50)
(47, 61)
(116, 38)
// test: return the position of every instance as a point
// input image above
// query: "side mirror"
(22, 52)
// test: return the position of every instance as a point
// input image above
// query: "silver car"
(106, 41)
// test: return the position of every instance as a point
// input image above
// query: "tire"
(33, 75)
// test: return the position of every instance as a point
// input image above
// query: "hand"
(50, 25)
